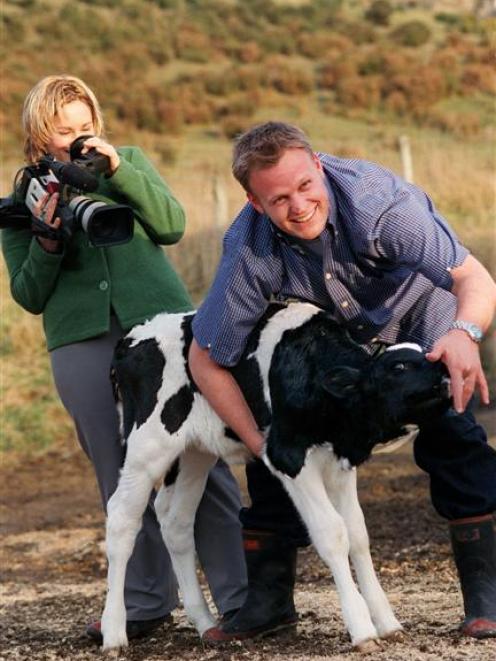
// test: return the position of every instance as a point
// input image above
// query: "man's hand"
(256, 444)
(461, 356)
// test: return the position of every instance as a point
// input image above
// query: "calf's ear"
(341, 382)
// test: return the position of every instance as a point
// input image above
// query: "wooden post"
(220, 202)
(406, 158)
(211, 248)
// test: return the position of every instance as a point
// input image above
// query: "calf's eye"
(399, 367)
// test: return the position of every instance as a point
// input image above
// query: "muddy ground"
(53, 573)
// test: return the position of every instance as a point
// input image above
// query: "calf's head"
(398, 388)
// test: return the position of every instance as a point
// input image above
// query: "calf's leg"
(125, 508)
(342, 490)
(176, 508)
(329, 535)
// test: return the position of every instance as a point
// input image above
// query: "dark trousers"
(453, 451)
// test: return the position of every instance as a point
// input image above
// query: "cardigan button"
(103, 285)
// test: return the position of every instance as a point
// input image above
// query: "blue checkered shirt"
(381, 267)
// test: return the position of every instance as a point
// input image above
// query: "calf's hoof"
(112, 644)
(368, 646)
(396, 636)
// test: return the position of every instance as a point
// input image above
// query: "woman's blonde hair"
(43, 103)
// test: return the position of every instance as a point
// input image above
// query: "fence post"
(211, 247)
(406, 158)
(220, 202)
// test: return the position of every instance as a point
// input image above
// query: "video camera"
(105, 224)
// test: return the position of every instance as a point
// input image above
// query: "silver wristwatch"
(472, 330)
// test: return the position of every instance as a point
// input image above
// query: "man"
(355, 239)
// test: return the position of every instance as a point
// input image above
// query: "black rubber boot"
(474, 547)
(269, 604)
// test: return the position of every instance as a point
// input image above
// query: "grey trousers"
(81, 375)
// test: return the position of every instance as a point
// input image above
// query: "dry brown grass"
(458, 174)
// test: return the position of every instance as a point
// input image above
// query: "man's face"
(292, 193)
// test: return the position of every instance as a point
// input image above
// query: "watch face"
(472, 330)
(476, 332)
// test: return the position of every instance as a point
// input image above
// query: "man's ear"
(341, 382)
(317, 162)
(254, 202)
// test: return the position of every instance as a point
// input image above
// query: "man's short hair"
(262, 146)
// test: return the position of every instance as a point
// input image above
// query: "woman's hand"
(44, 210)
(103, 148)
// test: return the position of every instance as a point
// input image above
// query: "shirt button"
(344, 304)
(359, 327)
(328, 276)
(103, 285)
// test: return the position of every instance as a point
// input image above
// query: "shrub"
(379, 12)
(397, 102)
(169, 115)
(288, 79)
(412, 34)
(478, 78)
(422, 87)
(25, 4)
(359, 92)
(233, 126)
(447, 18)
(239, 105)
(331, 72)
(12, 28)
(463, 124)
(249, 52)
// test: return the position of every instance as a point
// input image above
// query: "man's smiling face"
(292, 193)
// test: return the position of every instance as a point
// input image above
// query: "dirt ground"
(53, 571)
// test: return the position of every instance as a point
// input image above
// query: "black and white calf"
(324, 404)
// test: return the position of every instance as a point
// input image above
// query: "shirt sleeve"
(247, 275)
(412, 233)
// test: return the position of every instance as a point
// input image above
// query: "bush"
(379, 12)
(447, 18)
(12, 28)
(358, 92)
(478, 78)
(397, 102)
(331, 72)
(288, 79)
(233, 126)
(412, 34)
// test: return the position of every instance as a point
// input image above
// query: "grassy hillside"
(163, 65)
(182, 77)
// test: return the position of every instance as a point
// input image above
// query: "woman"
(89, 297)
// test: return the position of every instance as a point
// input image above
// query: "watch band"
(472, 330)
